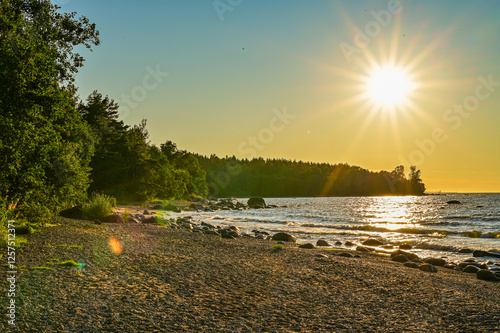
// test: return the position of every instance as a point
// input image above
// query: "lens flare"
(115, 245)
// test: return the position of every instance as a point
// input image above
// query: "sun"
(389, 86)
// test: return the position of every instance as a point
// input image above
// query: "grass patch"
(163, 222)
(24, 229)
(99, 206)
(125, 215)
(42, 268)
(69, 263)
(171, 208)
(20, 240)
(277, 247)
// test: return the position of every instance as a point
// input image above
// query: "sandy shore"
(169, 280)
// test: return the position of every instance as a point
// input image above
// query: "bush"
(99, 206)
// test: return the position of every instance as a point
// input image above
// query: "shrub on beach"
(99, 206)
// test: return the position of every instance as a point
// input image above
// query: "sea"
(428, 223)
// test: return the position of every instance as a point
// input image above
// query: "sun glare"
(388, 86)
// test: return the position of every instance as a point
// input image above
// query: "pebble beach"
(143, 277)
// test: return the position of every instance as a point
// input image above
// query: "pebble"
(428, 268)
(412, 265)
(372, 242)
(322, 242)
(400, 258)
(435, 261)
(487, 275)
(471, 269)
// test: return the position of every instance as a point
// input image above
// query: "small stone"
(453, 202)
(471, 269)
(428, 268)
(411, 265)
(151, 219)
(346, 254)
(487, 275)
(348, 243)
(115, 218)
(408, 255)
(405, 247)
(479, 253)
(322, 242)
(362, 249)
(468, 263)
(400, 258)
(435, 261)
(283, 236)
(372, 242)
(320, 255)
(338, 243)
(146, 212)
(450, 265)
(306, 246)
(465, 251)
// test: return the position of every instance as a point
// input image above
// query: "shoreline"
(174, 279)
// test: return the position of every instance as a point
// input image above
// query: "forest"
(57, 148)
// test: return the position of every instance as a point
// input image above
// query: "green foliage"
(45, 146)
(128, 167)
(230, 176)
(99, 206)
(70, 263)
(24, 229)
(278, 247)
(125, 215)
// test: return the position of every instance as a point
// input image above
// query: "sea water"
(428, 223)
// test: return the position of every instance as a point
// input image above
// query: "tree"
(45, 145)
(416, 184)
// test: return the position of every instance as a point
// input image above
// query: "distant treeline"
(230, 176)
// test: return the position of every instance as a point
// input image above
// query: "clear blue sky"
(231, 64)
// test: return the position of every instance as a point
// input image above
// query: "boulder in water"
(322, 242)
(256, 202)
(453, 202)
(283, 236)
(372, 242)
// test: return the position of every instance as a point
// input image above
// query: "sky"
(369, 83)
